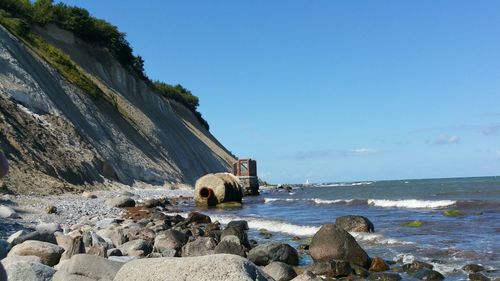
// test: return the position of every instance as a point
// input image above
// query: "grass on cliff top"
(57, 58)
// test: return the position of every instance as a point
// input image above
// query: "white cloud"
(447, 139)
(364, 151)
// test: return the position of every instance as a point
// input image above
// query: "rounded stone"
(333, 243)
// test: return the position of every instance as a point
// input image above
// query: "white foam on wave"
(268, 200)
(271, 225)
(411, 203)
(377, 238)
(315, 200)
(324, 201)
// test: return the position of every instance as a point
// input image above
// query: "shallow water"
(447, 242)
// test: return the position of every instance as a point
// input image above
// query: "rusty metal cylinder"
(213, 189)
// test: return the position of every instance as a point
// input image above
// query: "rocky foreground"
(121, 236)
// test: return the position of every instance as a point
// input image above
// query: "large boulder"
(355, 223)
(333, 243)
(237, 231)
(170, 239)
(428, 275)
(214, 267)
(49, 254)
(29, 271)
(198, 218)
(49, 228)
(200, 247)
(35, 235)
(274, 251)
(279, 271)
(332, 268)
(137, 247)
(121, 202)
(230, 246)
(87, 268)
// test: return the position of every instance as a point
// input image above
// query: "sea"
(447, 242)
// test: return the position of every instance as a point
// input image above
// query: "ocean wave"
(377, 238)
(270, 225)
(338, 201)
(267, 200)
(411, 203)
(315, 200)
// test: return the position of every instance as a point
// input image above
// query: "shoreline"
(88, 211)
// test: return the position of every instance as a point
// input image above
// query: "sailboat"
(307, 182)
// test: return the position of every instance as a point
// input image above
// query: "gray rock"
(15, 259)
(200, 247)
(168, 253)
(242, 224)
(4, 248)
(50, 254)
(355, 223)
(414, 266)
(428, 275)
(476, 276)
(332, 268)
(384, 276)
(230, 247)
(49, 228)
(90, 267)
(170, 239)
(472, 268)
(8, 213)
(132, 247)
(107, 222)
(274, 251)
(37, 236)
(279, 271)
(121, 202)
(114, 252)
(219, 267)
(238, 232)
(307, 276)
(116, 236)
(198, 218)
(122, 259)
(29, 271)
(333, 243)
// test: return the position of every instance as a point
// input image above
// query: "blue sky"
(332, 90)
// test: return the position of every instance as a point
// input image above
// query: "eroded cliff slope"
(57, 136)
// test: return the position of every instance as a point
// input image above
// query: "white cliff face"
(140, 136)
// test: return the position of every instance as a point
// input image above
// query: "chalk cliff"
(57, 137)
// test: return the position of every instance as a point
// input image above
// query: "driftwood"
(213, 189)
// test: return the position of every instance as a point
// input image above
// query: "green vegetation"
(417, 223)
(453, 213)
(51, 54)
(19, 15)
(229, 205)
